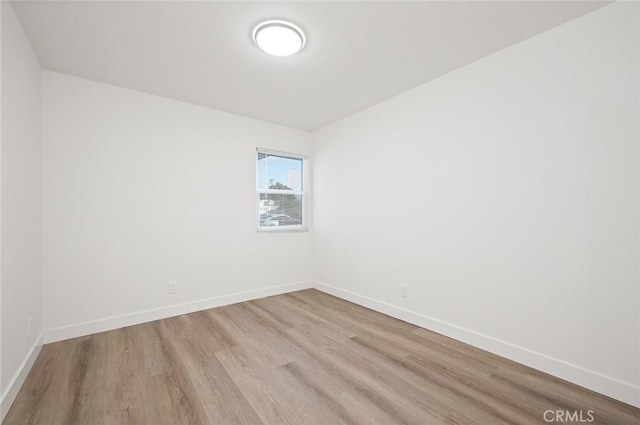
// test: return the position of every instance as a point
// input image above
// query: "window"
(280, 190)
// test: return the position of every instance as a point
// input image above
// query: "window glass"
(280, 184)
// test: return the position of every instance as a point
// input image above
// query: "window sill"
(283, 229)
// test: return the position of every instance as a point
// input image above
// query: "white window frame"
(304, 192)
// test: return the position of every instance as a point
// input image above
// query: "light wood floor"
(303, 358)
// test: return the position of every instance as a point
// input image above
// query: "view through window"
(280, 181)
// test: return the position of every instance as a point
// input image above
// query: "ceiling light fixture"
(279, 38)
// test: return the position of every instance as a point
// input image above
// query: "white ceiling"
(358, 53)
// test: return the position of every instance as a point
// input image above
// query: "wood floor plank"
(303, 316)
(427, 395)
(208, 328)
(405, 405)
(368, 411)
(304, 358)
(125, 390)
(255, 388)
(359, 313)
(221, 400)
(182, 392)
(50, 368)
(263, 347)
(277, 320)
(310, 404)
(74, 407)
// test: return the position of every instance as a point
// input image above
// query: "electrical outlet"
(29, 326)
(173, 287)
(404, 291)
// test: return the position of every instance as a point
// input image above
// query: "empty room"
(319, 213)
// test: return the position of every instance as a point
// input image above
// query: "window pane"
(278, 172)
(280, 210)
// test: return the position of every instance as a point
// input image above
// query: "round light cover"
(279, 38)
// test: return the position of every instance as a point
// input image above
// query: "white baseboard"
(116, 322)
(18, 379)
(594, 381)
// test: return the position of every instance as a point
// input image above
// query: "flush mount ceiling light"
(279, 38)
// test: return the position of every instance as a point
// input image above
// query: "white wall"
(505, 195)
(141, 190)
(21, 194)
